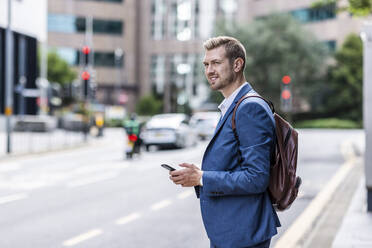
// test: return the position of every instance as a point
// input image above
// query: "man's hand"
(188, 177)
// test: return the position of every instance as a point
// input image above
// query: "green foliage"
(328, 123)
(360, 7)
(356, 7)
(58, 70)
(345, 89)
(277, 45)
(149, 105)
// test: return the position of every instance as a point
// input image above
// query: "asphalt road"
(92, 197)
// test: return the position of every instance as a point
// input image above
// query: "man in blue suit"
(235, 205)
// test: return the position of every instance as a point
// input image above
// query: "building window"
(158, 13)
(181, 22)
(76, 24)
(107, 59)
(100, 58)
(331, 45)
(315, 14)
(65, 23)
(107, 26)
(157, 73)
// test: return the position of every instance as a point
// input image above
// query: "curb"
(299, 229)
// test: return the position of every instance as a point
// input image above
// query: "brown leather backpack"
(284, 184)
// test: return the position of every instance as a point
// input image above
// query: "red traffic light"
(85, 75)
(286, 79)
(286, 94)
(86, 49)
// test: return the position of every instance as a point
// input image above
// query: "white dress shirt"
(226, 103)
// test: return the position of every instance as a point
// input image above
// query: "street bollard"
(366, 36)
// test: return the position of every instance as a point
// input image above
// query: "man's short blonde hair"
(234, 49)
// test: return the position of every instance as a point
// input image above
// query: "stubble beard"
(224, 82)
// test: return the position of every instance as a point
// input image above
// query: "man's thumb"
(185, 165)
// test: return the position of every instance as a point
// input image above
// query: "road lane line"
(128, 218)
(11, 198)
(96, 179)
(82, 237)
(185, 194)
(307, 219)
(161, 205)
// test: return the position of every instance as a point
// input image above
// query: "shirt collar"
(226, 103)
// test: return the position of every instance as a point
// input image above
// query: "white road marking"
(161, 205)
(96, 179)
(82, 237)
(185, 194)
(11, 198)
(128, 218)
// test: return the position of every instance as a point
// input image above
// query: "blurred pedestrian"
(235, 204)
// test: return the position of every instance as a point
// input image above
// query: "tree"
(345, 89)
(277, 45)
(149, 105)
(58, 70)
(356, 7)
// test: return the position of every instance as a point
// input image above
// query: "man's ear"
(238, 64)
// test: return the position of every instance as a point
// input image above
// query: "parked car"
(168, 130)
(205, 123)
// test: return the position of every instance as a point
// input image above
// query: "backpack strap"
(271, 105)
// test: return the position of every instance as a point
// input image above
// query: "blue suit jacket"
(235, 205)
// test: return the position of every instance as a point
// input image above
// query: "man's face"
(217, 68)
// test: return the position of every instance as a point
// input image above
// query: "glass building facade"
(100, 58)
(77, 24)
(315, 14)
(175, 19)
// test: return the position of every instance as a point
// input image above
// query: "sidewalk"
(356, 228)
(345, 222)
(337, 217)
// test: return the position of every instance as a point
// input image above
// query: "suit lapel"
(241, 93)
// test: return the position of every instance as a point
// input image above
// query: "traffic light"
(85, 75)
(286, 94)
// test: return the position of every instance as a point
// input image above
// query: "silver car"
(168, 130)
(205, 123)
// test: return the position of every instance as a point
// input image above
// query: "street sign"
(31, 92)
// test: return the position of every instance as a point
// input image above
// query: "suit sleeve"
(256, 133)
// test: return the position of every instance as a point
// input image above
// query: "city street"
(92, 197)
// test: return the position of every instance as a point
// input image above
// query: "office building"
(140, 47)
(107, 27)
(28, 31)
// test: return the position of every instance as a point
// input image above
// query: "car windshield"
(166, 121)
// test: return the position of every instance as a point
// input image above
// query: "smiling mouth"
(212, 79)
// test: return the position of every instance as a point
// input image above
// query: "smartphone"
(168, 167)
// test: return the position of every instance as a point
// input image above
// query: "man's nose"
(209, 69)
